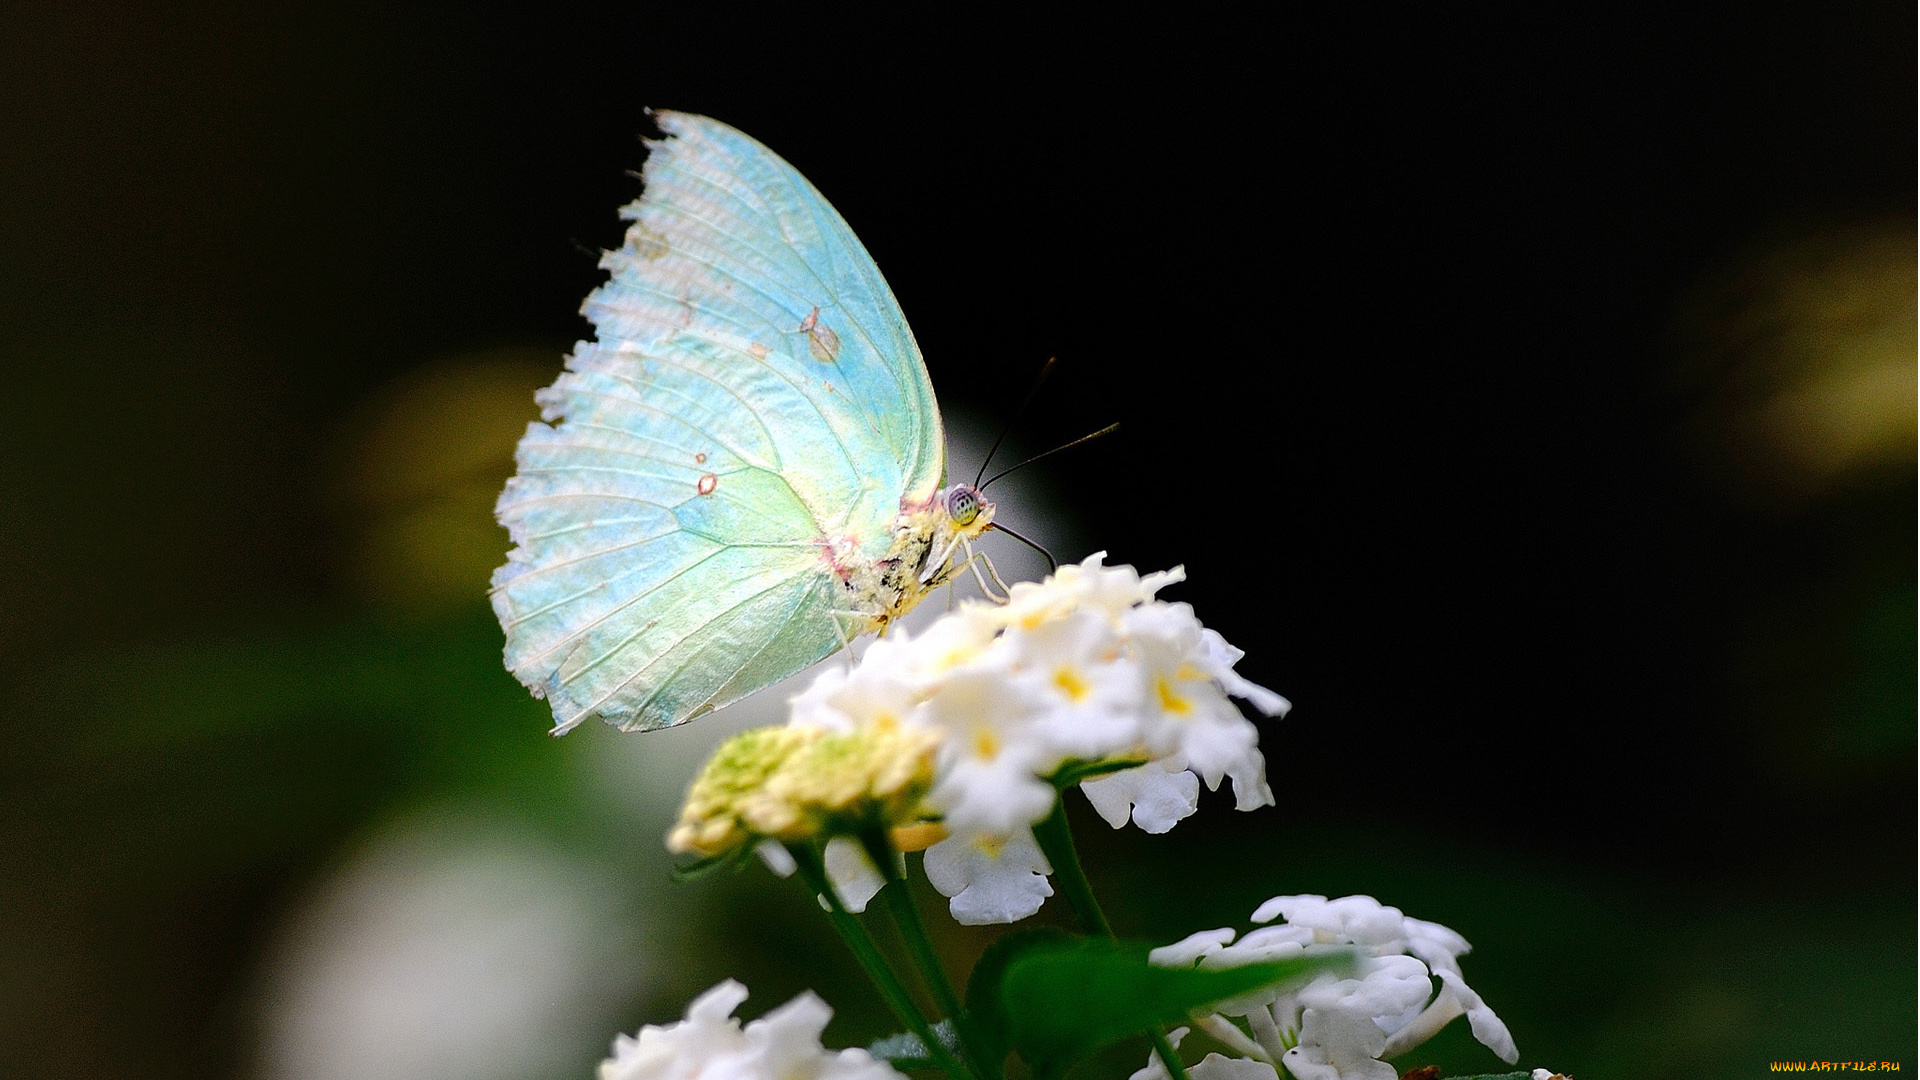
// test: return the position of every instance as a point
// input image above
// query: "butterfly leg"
(840, 629)
(975, 559)
(936, 571)
(995, 574)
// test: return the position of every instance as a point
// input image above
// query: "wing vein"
(826, 229)
(578, 559)
(752, 459)
(805, 395)
(617, 609)
(664, 653)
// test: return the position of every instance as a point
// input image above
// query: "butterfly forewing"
(753, 391)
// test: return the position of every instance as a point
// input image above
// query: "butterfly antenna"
(1017, 414)
(1108, 430)
(1053, 564)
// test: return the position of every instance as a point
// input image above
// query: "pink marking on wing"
(839, 551)
(707, 484)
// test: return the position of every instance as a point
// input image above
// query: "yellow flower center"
(986, 744)
(1169, 700)
(990, 845)
(1070, 683)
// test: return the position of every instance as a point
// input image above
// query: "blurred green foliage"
(171, 808)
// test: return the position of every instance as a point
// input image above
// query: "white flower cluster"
(1085, 667)
(1335, 1028)
(711, 1045)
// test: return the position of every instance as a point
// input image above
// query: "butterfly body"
(883, 590)
(743, 471)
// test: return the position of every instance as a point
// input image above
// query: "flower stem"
(1164, 1047)
(1056, 843)
(906, 917)
(813, 872)
(913, 931)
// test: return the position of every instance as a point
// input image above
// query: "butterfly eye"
(963, 504)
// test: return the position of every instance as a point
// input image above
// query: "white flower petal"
(788, 1037)
(1266, 1031)
(990, 879)
(1151, 584)
(1155, 1068)
(1357, 920)
(956, 640)
(710, 1044)
(1270, 942)
(1231, 1037)
(1249, 775)
(1487, 1026)
(1113, 802)
(717, 1004)
(854, 877)
(1349, 1041)
(1270, 910)
(1190, 950)
(1157, 795)
(1215, 1067)
(856, 1064)
(1302, 1066)
(777, 857)
(996, 795)
(1221, 657)
(1437, 945)
(1345, 1027)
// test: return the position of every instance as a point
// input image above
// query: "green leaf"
(1057, 998)
(1075, 771)
(986, 1023)
(699, 868)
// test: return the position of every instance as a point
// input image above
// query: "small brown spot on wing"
(707, 484)
(646, 243)
(700, 459)
(824, 344)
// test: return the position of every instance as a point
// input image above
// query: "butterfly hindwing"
(754, 390)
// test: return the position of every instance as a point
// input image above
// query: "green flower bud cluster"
(801, 782)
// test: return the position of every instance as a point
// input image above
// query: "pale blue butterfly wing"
(754, 392)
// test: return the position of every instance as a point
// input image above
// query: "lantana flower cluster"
(1070, 678)
(710, 1044)
(1335, 1028)
(802, 781)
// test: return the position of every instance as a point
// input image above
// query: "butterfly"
(742, 472)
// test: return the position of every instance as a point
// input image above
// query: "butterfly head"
(964, 505)
(956, 515)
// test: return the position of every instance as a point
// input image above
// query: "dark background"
(1431, 339)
